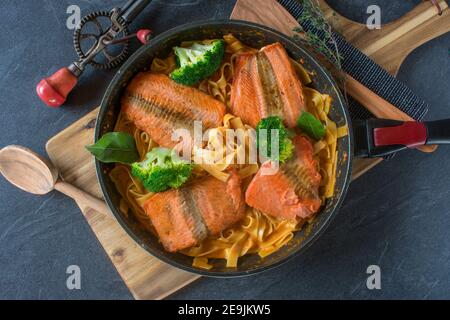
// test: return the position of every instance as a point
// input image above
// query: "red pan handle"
(410, 134)
(381, 137)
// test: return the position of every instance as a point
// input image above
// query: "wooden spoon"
(32, 173)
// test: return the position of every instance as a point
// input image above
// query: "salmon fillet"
(183, 217)
(293, 191)
(159, 106)
(265, 84)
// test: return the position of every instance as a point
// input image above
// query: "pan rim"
(104, 107)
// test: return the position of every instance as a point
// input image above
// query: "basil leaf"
(311, 126)
(115, 147)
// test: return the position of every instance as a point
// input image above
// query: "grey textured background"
(396, 216)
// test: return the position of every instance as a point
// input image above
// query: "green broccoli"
(197, 62)
(286, 148)
(161, 170)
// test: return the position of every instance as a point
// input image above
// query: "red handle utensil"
(53, 90)
(144, 35)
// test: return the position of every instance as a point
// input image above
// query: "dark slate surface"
(396, 216)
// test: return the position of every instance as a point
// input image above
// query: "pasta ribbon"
(220, 153)
(325, 150)
(257, 233)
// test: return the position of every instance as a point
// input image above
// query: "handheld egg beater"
(102, 40)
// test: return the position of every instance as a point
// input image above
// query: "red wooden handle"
(53, 90)
(144, 35)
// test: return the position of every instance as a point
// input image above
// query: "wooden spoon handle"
(82, 196)
(379, 107)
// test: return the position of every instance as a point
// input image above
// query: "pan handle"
(381, 137)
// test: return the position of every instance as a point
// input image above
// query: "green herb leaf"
(115, 147)
(320, 35)
(311, 126)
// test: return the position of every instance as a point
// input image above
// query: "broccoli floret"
(161, 170)
(197, 62)
(286, 148)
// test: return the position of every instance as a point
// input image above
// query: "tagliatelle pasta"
(218, 155)
(325, 150)
(131, 189)
(257, 233)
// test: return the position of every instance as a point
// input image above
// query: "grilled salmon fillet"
(265, 84)
(293, 191)
(183, 217)
(159, 106)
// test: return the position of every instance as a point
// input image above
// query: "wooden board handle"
(379, 107)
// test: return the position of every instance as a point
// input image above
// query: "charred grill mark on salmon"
(293, 191)
(159, 106)
(175, 228)
(190, 208)
(271, 93)
(299, 177)
(184, 217)
(265, 84)
(182, 119)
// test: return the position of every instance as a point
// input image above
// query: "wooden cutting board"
(147, 277)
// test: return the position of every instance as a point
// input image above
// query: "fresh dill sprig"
(320, 36)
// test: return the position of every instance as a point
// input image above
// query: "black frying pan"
(256, 36)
